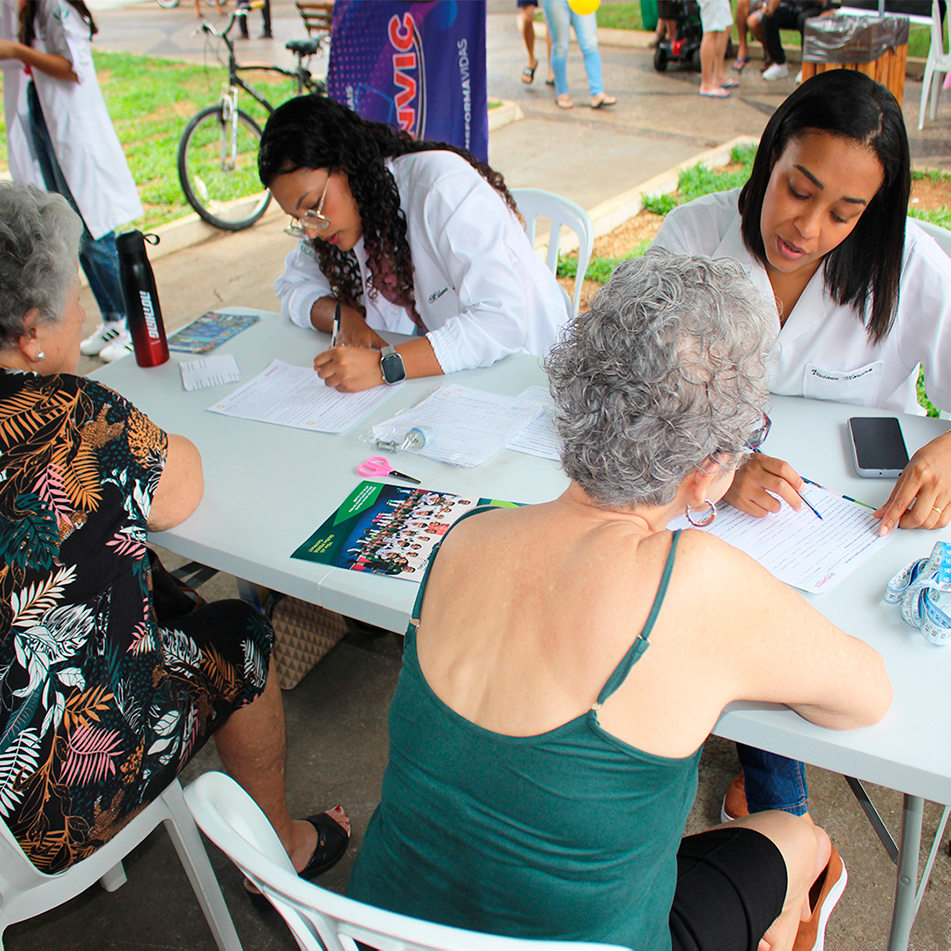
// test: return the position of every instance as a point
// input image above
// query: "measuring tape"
(917, 588)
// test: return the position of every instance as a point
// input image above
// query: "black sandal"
(332, 843)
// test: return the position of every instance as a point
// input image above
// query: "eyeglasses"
(753, 442)
(313, 219)
(758, 436)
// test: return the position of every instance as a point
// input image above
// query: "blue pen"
(848, 498)
(815, 511)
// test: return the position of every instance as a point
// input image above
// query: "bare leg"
(711, 63)
(755, 25)
(252, 748)
(805, 849)
(526, 23)
(742, 12)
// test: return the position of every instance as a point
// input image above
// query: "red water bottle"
(143, 312)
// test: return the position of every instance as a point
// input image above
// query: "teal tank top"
(570, 834)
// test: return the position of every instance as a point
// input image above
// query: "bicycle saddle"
(303, 47)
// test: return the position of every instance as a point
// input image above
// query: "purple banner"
(418, 66)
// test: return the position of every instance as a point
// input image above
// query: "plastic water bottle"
(143, 311)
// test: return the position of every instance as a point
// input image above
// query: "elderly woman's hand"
(922, 495)
(759, 481)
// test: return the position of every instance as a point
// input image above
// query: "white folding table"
(268, 488)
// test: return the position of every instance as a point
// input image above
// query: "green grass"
(150, 100)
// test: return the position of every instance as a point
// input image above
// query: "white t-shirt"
(481, 290)
(823, 351)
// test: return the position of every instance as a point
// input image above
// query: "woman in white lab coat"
(410, 237)
(60, 138)
(863, 295)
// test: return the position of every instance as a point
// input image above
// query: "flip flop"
(740, 62)
(602, 100)
(730, 84)
(723, 94)
(528, 74)
(564, 101)
(549, 82)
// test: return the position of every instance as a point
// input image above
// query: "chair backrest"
(316, 15)
(937, 48)
(26, 892)
(319, 918)
(536, 203)
(941, 235)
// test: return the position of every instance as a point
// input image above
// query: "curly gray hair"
(665, 371)
(39, 244)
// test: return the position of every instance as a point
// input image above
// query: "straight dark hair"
(864, 271)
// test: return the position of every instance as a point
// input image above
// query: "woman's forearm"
(58, 67)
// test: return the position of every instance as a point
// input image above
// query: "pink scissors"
(378, 466)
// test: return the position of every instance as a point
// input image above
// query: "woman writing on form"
(862, 298)
(414, 238)
(556, 684)
(863, 295)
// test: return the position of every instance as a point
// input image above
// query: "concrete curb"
(612, 213)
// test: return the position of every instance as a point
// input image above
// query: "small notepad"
(210, 371)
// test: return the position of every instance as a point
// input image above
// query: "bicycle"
(217, 152)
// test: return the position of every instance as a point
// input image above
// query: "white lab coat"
(84, 140)
(823, 351)
(480, 289)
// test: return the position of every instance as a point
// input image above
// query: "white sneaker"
(121, 346)
(106, 333)
(776, 71)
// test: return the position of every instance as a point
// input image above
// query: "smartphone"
(878, 447)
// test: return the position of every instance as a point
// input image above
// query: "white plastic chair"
(941, 235)
(321, 920)
(26, 892)
(563, 212)
(939, 62)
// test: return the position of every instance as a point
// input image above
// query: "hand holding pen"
(763, 483)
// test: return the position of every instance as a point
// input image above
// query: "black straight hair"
(864, 271)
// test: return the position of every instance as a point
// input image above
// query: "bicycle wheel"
(225, 193)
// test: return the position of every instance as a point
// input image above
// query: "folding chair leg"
(191, 851)
(114, 878)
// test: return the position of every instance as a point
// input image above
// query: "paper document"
(468, 426)
(798, 548)
(539, 437)
(297, 397)
(210, 371)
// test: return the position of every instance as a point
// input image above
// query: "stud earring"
(40, 356)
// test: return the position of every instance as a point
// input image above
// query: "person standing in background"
(560, 17)
(265, 14)
(526, 26)
(717, 19)
(60, 137)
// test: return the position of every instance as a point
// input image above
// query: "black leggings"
(787, 17)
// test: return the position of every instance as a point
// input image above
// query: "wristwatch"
(391, 363)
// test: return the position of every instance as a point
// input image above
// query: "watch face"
(392, 366)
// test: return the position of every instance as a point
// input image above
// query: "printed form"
(797, 547)
(297, 397)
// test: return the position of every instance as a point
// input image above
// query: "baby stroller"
(685, 49)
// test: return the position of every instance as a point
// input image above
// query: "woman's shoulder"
(699, 226)
(435, 169)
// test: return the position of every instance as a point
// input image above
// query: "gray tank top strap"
(642, 642)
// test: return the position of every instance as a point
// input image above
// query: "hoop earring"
(706, 520)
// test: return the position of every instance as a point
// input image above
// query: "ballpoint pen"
(336, 329)
(815, 511)
(848, 498)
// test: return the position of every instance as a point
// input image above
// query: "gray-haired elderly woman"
(101, 706)
(570, 658)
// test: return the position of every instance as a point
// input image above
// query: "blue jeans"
(560, 18)
(773, 781)
(99, 258)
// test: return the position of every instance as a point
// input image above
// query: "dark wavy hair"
(866, 266)
(317, 132)
(28, 17)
